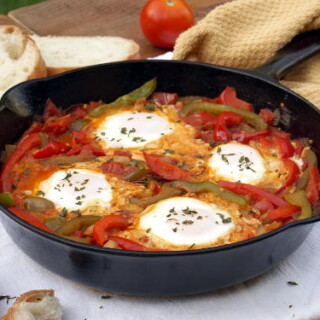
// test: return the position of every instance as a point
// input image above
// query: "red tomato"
(163, 20)
(229, 97)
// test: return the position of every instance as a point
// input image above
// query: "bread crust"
(134, 55)
(39, 69)
(30, 296)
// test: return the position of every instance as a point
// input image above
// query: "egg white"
(237, 162)
(76, 189)
(131, 129)
(183, 221)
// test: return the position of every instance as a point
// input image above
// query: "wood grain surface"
(96, 17)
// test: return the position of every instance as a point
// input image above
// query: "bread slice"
(20, 59)
(35, 305)
(67, 53)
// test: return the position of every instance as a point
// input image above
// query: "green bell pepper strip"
(6, 199)
(299, 198)
(76, 223)
(250, 117)
(207, 186)
(136, 175)
(174, 188)
(167, 191)
(311, 161)
(37, 204)
(86, 240)
(54, 223)
(128, 99)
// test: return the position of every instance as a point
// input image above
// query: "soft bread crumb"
(20, 58)
(67, 53)
(35, 305)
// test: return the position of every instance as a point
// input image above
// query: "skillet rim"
(96, 249)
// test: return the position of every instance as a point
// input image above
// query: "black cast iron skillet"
(160, 273)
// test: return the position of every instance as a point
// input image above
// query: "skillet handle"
(282, 63)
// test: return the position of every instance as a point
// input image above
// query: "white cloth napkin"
(268, 297)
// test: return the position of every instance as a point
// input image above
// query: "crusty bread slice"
(20, 59)
(35, 305)
(67, 53)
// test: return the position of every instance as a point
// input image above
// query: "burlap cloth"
(248, 33)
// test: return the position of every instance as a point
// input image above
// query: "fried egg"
(131, 129)
(237, 162)
(183, 221)
(76, 189)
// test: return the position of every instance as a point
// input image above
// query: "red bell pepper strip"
(253, 191)
(293, 173)
(312, 189)
(164, 97)
(58, 125)
(28, 217)
(52, 149)
(101, 228)
(266, 115)
(221, 132)
(50, 110)
(23, 147)
(284, 212)
(164, 169)
(229, 97)
(34, 128)
(284, 147)
(127, 244)
(246, 137)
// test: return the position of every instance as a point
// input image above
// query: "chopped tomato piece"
(51, 110)
(298, 147)
(284, 212)
(23, 147)
(79, 138)
(280, 133)
(246, 137)
(78, 112)
(284, 147)
(221, 132)
(164, 169)
(113, 167)
(58, 125)
(312, 189)
(53, 148)
(105, 224)
(266, 115)
(164, 97)
(28, 217)
(90, 149)
(201, 120)
(229, 97)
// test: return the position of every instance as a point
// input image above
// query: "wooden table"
(94, 17)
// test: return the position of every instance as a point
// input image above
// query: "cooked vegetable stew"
(152, 171)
